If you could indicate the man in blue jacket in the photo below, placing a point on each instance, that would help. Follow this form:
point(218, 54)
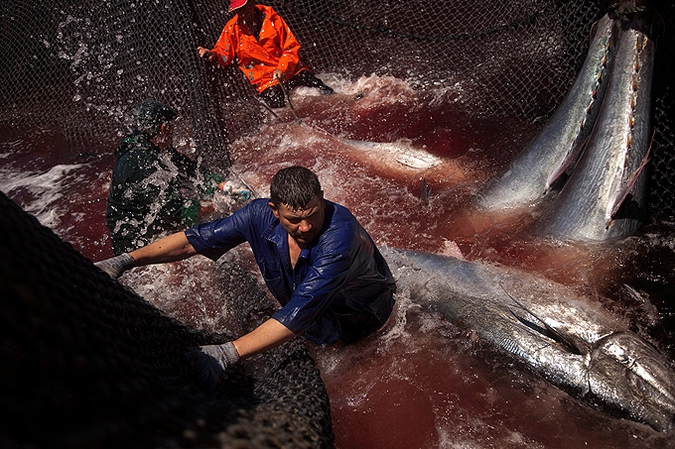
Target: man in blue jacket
point(315, 257)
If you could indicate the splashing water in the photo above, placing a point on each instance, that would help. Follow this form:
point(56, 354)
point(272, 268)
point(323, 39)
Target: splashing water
point(421, 382)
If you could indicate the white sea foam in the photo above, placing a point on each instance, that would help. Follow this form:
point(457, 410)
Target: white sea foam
point(45, 189)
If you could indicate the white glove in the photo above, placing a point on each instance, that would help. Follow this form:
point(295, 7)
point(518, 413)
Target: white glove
point(117, 265)
point(211, 361)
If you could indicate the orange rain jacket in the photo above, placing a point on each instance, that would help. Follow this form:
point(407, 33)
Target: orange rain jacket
point(258, 59)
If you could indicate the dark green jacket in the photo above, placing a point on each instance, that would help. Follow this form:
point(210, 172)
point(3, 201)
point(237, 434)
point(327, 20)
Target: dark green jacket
point(152, 192)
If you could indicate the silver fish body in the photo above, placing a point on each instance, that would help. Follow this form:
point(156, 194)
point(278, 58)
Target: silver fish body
point(531, 174)
point(569, 340)
point(605, 196)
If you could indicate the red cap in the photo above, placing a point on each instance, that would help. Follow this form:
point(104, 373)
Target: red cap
point(236, 4)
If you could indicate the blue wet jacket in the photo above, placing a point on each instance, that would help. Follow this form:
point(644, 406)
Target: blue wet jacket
point(341, 286)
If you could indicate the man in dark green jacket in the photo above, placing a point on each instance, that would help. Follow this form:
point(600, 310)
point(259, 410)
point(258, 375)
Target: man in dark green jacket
point(154, 189)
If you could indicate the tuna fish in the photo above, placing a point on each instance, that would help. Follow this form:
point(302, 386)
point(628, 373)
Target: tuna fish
point(605, 197)
point(571, 341)
point(534, 171)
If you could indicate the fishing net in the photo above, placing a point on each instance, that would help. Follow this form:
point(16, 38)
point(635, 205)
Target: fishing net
point(81, 66)
point(87, 363)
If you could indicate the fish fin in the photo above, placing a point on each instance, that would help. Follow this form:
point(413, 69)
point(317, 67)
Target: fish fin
point(626, 186)
point(593, 30)
point(543, 328)
point(425, 192)
point(557, 173)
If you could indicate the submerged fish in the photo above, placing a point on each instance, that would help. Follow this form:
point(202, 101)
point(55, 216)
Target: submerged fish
point(573, 342)
point(605, 197)
point(532, 173)
point(403, 152)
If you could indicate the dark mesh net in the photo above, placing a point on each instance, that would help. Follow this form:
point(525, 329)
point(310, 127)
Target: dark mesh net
point(87, 363)
point(81, 66)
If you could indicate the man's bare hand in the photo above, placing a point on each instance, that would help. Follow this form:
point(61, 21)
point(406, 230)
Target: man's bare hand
point(209, 55)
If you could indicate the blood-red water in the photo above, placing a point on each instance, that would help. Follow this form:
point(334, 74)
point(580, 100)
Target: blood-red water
point(422, 382)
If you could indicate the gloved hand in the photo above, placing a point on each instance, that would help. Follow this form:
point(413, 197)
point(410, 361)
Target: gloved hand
point(211, 361)
point(117, 265)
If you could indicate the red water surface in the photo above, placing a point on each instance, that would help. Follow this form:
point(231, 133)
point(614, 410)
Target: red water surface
point(65, 188)
point(422, 382)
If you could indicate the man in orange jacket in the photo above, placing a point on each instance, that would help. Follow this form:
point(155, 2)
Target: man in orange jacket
point(265, 49)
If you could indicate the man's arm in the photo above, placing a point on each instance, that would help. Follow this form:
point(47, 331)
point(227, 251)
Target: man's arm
point(268, 335)
point(168, 249)
point(211, 361)
point(224, 51)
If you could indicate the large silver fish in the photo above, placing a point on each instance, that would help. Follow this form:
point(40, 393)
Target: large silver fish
point(605, 196)
point(532, 173)
point(571, 341)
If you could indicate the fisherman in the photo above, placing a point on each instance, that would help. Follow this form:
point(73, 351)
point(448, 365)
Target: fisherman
point(152, 183)
point(265, 50)
point(315, 257)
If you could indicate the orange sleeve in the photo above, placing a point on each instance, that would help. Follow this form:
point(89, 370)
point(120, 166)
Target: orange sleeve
point(227, 43)
point(290, 56)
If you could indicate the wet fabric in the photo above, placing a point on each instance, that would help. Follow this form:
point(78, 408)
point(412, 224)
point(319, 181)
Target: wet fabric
point(258, 58)
point(341, 287)
point(152, 192)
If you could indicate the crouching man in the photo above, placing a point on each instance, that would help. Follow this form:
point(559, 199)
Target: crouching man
point(316, 259)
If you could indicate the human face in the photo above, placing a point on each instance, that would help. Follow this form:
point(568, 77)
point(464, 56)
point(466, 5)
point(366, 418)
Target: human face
point(303, 225)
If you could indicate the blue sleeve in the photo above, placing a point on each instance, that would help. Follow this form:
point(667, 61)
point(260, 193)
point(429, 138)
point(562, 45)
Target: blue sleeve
point(217, 237)
point(325, 278)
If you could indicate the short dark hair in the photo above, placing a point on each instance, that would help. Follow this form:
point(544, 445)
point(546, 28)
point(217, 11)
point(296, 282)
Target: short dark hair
point(294, 187)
